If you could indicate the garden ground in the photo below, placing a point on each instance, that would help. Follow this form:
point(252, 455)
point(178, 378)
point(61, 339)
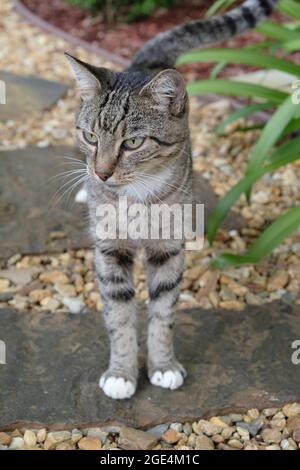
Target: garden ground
point(41, 283)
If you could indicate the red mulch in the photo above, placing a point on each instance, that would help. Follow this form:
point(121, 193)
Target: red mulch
point(125, 39)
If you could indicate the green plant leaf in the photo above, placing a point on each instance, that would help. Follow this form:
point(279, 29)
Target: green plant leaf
point(277, 31)
point(290, 8)
point(275, 234)
point(272, 132)
point(219, 5)
point(236, 88)
point(293, 45)
point(245, 56)
point(242, 113)
point(285, 154)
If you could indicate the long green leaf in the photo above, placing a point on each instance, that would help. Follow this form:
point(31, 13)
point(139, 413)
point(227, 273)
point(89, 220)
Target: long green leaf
point(290, 8)
point(236, 88)
point(242, 113)
point(272, 132)
point(277, 31)
point(275, 234)
point(285, 154)
point(236, 56)
point(293, 45)
point(219, 5)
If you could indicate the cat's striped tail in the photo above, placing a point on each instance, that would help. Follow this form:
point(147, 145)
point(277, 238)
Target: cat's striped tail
point(163, 50)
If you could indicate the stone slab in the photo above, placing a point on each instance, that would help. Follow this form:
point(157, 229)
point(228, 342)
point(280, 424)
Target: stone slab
point(31, 221)
point(234, 360)
point(26, 95)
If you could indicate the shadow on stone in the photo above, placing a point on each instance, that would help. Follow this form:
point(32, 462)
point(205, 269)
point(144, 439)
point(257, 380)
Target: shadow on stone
point(234, 361)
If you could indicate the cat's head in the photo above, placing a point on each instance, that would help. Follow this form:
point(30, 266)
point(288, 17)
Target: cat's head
point(128, 123)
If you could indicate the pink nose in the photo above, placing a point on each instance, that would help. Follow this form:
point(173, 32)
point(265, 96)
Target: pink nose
point(103, 175)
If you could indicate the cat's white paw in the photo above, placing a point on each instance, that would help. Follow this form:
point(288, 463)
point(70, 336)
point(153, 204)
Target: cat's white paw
point(117, 387)
point(169, 379)
point(81, 196)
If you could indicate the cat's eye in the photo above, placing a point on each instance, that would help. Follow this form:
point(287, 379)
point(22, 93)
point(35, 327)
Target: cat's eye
point(133, 144)
point(90, 138)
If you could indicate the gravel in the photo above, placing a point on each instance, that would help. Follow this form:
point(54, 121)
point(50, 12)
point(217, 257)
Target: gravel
point(254, 430)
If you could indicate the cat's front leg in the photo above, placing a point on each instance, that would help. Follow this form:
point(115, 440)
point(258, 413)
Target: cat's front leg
point(165, 267)
point(114, 272)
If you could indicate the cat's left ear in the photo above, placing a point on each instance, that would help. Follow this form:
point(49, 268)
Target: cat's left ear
point(168, 90)
point(91, 80)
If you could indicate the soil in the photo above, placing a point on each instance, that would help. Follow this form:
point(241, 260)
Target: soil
point(125, 39)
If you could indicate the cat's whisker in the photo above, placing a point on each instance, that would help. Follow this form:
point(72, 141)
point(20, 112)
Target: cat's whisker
point(57, 196)
point(64, 174)
point(160, 180)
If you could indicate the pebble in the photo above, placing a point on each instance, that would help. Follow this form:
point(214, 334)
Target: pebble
point(271, 436)
point(89, 443)
point(5, 439)
point(37, 295)
point(75, 305)
point(245, 435)
point(66, 290)
point(296, 435)
point(171, 436)
point(76, 436)
point(4, 285)
point(30, 438)
point(278, 424)
point(217, 421)
point(293, 423)
point(99, 433)
point(235, 443)
point(55, 438)
point(41, 435)
point(19, 276)
point(187, 429)
point(6, 296)
point(253, 427)
point(66, 446)
point(158, 430)
point(204, 443)
point(278, 280)
point(253, 413)
point(227, 432)
point(177, 427)
point(206, 427)
point(291, 410)
point(134, 439)
point(50, 304)
point(54, 277)
point(16, 443)
point(284, 444)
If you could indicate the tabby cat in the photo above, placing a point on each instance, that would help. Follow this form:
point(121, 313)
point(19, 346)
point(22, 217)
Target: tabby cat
point(133, 129)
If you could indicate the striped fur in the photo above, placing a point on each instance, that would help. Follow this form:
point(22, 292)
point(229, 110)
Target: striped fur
point(139, 103)
point(162, 51)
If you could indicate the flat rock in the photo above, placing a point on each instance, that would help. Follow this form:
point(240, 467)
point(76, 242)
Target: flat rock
point(26, 95)
point(31, 221)
point(235, 361)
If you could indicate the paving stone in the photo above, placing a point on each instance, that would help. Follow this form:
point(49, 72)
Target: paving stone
point(26, 95)
point(28, 215)
point(233, 364)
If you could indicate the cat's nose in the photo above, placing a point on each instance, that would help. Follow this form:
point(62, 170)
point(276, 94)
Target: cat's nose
point(103, 175)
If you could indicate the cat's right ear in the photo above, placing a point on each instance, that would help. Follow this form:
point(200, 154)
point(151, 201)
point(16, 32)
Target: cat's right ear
point(87, 81)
